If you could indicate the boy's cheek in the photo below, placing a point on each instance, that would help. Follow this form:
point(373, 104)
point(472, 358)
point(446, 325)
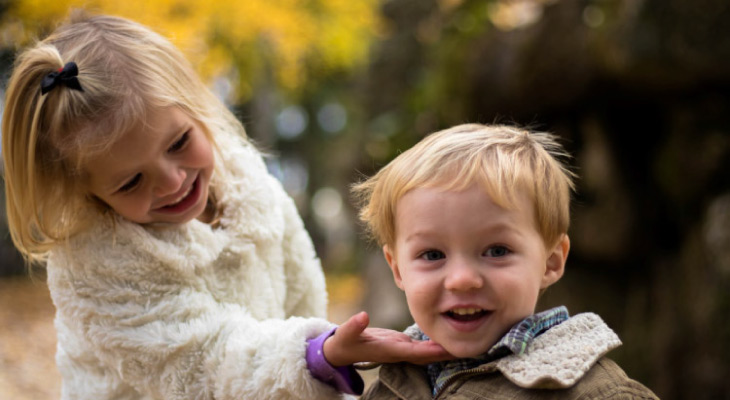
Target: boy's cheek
point(422, 305)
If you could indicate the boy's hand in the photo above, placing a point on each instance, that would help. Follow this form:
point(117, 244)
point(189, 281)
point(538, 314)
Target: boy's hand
point(355, 342)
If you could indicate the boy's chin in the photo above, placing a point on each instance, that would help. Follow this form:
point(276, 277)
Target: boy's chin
point(465, 350)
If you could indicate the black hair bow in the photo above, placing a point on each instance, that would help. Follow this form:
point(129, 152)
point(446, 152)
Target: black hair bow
point(65, 76)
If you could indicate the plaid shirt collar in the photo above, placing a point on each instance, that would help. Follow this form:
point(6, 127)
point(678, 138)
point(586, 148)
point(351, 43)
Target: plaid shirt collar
point(514, 342)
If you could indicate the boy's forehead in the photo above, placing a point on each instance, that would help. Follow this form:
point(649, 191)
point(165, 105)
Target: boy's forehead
point(511, 198)
point(503, 195)
point(434, 212)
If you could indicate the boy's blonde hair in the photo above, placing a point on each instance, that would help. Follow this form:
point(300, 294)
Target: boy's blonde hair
point(504, 160)
point(126, 70)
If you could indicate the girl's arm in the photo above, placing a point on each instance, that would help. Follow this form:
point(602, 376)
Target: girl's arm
point(166, 332)
point(186, 345)
point(306, 290)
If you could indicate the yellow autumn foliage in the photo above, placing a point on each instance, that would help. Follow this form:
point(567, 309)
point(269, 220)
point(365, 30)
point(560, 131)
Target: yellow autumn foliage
point(287, 42)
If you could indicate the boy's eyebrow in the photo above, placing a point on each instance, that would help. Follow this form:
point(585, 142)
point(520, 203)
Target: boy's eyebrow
point(496, 228)
point(414, 235)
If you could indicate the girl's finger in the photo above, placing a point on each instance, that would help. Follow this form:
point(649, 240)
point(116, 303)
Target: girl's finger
point(353, 327)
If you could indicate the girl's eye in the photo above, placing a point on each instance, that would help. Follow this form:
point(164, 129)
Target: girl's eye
point(497, 251)
point(131, 184)
point(179, 143)
point(432, 255)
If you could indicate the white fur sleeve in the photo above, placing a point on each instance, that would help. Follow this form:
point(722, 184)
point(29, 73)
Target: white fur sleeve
point(304, 276)
point(167, 337)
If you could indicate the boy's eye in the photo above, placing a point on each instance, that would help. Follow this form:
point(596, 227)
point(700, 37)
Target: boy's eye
point(179, 143)
point(131, 184)
point(497, 251)
point(432, 255)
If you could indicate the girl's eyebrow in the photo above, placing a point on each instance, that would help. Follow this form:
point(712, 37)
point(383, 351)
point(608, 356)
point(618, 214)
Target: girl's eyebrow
point(176, 129)
point(117, 181)
point(114, 180)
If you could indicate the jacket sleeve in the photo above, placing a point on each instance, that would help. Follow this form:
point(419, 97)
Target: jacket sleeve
point(166, 335)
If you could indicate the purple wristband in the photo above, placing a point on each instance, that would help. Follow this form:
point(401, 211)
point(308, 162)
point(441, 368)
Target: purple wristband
point(345, 379)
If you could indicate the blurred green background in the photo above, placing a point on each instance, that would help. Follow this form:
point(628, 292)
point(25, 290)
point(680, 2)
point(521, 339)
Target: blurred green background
point(333, 89)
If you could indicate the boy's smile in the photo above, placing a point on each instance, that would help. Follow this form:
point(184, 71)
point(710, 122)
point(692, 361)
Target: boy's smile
point(469, 268)
point(157, 172)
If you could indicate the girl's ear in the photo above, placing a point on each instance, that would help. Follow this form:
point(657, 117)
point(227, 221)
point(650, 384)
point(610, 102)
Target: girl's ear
point(555, 264)
point(391, 259)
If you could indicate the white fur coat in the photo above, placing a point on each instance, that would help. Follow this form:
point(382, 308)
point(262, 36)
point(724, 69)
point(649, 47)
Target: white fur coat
point(190, 311)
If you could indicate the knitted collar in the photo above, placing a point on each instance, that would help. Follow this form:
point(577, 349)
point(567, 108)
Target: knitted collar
point(558, 358)
point(514, 342)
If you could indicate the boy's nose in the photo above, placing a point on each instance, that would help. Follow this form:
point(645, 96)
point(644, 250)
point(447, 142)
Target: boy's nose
point(169, 180)
point(463, 277)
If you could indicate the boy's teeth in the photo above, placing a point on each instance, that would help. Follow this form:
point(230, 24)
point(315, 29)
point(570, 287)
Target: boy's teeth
point(466, 311)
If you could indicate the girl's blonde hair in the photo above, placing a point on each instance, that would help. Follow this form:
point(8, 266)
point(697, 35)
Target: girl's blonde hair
point(505, 161)
point(126, 70)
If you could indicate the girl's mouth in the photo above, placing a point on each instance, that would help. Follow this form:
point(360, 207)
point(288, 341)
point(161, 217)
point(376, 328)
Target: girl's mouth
point(181, 198)
point(187, 200)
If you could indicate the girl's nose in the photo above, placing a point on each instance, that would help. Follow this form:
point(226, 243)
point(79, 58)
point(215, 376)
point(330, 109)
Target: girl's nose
point(169, 180)
point(463, 276)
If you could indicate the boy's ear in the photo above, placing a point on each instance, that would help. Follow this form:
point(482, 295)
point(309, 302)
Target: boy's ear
point(393, 264)
point(555, 264)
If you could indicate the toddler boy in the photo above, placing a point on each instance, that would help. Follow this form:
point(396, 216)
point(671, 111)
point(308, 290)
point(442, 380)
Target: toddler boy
point(473, 222)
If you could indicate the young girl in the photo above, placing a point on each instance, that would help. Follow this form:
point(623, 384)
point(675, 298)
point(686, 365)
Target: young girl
point(178, 266)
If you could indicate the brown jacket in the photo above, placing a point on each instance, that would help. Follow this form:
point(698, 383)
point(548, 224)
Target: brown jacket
point(566, 362)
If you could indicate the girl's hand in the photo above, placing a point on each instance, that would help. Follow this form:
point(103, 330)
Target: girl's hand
point(354, 342)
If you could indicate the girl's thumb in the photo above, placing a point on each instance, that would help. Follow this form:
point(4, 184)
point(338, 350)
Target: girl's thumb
point(354, 326)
